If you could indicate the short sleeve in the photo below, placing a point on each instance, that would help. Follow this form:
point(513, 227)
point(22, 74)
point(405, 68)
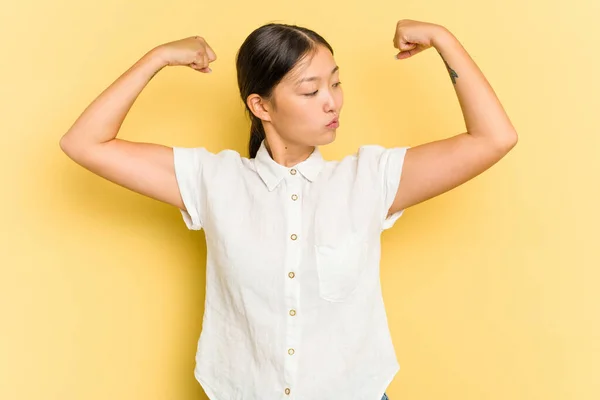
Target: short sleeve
point(189, 163)
point(385, 166)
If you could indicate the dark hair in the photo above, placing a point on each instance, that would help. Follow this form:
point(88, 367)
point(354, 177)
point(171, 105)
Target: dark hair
point(262, 61)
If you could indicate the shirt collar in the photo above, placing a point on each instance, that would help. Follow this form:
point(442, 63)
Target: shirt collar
point(272, 172)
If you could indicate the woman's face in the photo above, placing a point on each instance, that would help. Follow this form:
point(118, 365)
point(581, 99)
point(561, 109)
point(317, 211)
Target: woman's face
point(307, 99)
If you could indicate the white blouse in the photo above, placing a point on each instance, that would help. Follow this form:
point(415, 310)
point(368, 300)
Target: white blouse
point(293, 305)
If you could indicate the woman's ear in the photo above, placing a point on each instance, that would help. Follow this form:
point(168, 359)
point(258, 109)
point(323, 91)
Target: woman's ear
point(259, 107)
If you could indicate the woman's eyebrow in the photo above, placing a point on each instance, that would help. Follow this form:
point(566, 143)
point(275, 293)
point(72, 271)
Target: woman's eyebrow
point(315, 78)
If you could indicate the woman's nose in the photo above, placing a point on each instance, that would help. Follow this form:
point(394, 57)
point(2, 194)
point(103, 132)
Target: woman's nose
point(330, 102)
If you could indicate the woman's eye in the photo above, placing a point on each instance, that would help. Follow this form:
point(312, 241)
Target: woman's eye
point(315, 92)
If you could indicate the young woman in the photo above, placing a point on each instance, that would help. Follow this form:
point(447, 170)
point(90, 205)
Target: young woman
point(293, 298)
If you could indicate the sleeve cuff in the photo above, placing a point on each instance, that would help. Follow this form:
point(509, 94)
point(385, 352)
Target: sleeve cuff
point(187, 175)
point(392, 176)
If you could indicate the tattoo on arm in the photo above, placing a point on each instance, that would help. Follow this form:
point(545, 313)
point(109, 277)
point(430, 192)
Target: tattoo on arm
point(452, 73)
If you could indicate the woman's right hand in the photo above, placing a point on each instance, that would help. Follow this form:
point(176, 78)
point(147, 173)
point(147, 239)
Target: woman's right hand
point(193, 52)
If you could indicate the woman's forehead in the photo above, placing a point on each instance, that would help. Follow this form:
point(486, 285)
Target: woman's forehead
point(314, 67)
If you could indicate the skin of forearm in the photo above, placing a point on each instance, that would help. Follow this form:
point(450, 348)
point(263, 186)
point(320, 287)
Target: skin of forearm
point(482, 111)
point(101, 120)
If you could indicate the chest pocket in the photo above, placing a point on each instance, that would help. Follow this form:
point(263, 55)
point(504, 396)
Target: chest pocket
point(340, 266)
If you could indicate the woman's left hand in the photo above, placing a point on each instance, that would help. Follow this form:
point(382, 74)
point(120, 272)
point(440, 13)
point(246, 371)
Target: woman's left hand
point(412, 37)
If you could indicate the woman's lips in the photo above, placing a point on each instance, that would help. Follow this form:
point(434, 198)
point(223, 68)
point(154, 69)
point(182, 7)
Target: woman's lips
point(333, 124)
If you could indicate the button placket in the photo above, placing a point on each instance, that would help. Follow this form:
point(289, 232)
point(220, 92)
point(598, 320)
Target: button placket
point(292, 290)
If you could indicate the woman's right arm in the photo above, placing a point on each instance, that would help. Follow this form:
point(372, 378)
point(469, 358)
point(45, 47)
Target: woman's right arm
point(145, 168)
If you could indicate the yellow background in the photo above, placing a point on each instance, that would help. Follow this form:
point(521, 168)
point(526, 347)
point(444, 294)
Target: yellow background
point(491, 289)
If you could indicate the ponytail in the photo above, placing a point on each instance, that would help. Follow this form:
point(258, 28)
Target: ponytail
point(257, 134)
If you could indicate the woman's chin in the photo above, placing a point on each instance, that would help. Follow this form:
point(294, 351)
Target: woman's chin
point(328, 137)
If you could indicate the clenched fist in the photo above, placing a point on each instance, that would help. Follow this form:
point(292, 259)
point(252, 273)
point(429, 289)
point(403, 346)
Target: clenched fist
point(193, 52)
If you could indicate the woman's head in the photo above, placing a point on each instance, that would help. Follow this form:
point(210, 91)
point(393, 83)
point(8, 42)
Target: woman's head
point(289, 83)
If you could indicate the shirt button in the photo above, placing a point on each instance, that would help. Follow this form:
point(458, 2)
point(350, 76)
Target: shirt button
point(292, 312)
point(291, 275)
point(294, 237)
point(291, 352)
point(293, 171)
point(294, 197)
point(287, 390)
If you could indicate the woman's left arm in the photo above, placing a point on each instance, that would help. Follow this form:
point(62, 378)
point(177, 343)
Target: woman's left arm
point(433, 168)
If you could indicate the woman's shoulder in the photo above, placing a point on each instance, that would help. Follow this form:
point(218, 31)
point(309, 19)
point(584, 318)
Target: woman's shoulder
point(226, 159)
point(369, 154)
